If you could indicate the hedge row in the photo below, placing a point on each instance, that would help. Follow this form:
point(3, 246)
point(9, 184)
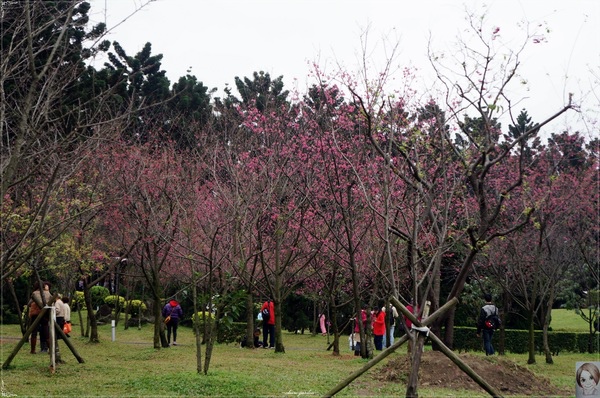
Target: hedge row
point(465, 339)
point(516, 341)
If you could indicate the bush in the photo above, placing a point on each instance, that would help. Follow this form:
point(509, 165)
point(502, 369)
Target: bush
point(78, 301)
point(7, 316)
point(112, 300)
point(135, 307)
point(98, 294)
point(200, 318)
point(233, 334)
point(516, 341)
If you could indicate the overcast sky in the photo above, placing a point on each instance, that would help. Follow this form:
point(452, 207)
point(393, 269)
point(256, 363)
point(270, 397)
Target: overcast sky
point(221, 39)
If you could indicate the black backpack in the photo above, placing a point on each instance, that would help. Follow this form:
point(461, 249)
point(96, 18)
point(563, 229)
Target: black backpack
point(266, 314)
point(493, 321)
point(392, 319)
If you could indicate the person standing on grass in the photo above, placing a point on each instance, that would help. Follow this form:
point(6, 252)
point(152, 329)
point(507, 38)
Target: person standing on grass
point(36, 303)
point(33, 311)
point(486, 312)
point(393, 314)
point(268, 324)
point(322, 324)
point(67, 309)
point(379, 325)
point(173, 312)
point(59, 305)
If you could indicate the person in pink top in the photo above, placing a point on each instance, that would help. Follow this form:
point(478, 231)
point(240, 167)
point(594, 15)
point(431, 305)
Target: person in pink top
point(322, 324)
point(268, 323)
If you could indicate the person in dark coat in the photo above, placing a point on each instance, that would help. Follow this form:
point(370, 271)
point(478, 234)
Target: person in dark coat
point(487, 310)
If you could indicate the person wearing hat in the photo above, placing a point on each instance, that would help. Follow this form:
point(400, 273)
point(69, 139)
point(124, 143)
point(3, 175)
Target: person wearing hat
point(172, 312)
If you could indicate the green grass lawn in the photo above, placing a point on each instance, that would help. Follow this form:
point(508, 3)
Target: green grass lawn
point(568, 321)
point(131, 367)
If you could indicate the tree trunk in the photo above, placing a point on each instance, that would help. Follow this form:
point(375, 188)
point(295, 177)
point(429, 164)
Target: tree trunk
point(196, 324)
point(592, 319)
point(279, 347)
point(22, 319)
point(128, 307)
point(415, 361)
point(160, 340)
point(449, 332)
point(82, 324)
point(212, 336)
point(531, 359)
point(334, 328)
point(547, 319)
point(93, 323)
point(249, 320)
point(457, 289)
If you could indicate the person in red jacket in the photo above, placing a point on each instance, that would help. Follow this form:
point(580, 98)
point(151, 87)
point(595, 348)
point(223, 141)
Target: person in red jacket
point(268, 324)
point(379, 326)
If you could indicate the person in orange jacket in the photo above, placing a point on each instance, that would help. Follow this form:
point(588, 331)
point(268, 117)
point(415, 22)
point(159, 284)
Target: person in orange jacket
point(268, 323)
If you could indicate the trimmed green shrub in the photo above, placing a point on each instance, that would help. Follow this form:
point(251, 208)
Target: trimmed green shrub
point(112, 301)
point(231, 333)
point(516, 341)
point(78, 301)
point(135, 307)
point(200, 318)
point(98, 294)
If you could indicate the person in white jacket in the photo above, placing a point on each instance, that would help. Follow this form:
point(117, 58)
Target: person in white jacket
point(67, 312)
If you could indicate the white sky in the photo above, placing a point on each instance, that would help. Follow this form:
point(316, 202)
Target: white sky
point(221, 39)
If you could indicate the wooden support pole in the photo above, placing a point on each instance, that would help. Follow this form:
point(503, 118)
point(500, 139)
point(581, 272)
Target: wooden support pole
point(28, 332)
point(68, 343)
point(464, 367)
point(25, 337)
point(344, 383)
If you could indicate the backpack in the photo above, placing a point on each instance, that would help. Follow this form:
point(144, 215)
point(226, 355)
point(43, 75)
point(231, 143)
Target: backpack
point(392, 318)
point(492, 321)
point(34, 309)
point(265, 314)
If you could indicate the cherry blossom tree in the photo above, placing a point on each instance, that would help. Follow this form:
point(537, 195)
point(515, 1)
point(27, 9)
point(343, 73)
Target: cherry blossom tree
point(335, 147)
point(149, 178)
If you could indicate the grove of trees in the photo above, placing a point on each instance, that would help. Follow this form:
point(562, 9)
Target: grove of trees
point(351, 192)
